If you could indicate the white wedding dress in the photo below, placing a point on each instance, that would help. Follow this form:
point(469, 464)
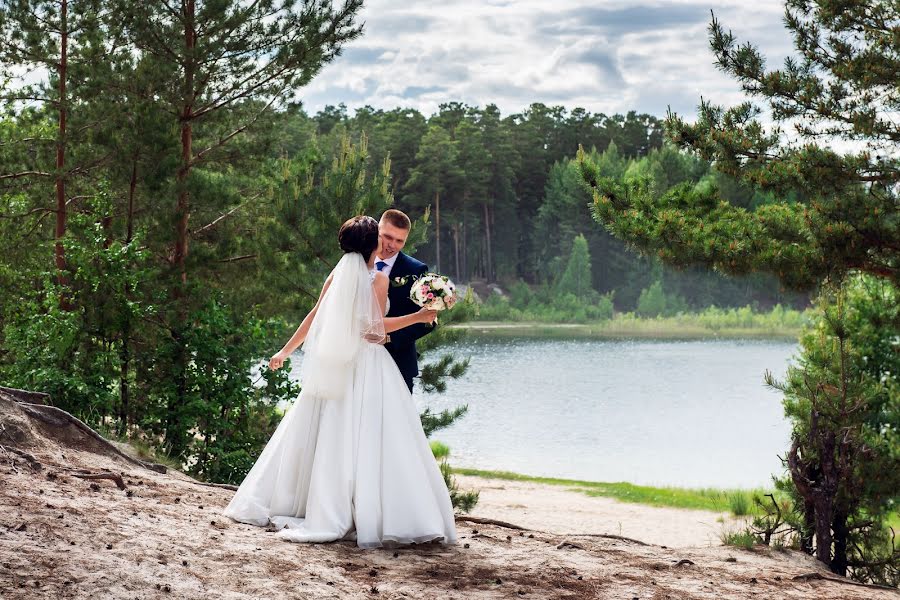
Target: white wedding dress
point(349, 460)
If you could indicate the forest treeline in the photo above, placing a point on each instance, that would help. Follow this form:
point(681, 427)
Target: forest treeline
point(506, 203)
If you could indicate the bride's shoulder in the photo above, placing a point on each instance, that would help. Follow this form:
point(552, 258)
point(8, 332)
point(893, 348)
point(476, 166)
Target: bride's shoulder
point(380, 279)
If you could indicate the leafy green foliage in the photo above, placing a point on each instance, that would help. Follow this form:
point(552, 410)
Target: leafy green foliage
point(73, 354)
point(464, 501)
point(576, 279)
point(739, 539)
point(836, 212)
point(843, 398)
point(655, 302)
point(544, 305)
point(817, 215)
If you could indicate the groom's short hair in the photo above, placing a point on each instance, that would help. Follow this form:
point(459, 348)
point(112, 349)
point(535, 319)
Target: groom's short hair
point(397, 218)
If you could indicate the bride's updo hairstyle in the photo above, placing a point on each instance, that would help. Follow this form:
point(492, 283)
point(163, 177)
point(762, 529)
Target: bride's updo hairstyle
point(359, 234)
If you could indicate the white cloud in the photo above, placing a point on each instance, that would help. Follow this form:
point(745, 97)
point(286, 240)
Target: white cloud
point(608, 56)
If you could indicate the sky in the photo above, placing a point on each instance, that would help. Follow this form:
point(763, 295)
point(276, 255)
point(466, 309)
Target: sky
point(607, 56)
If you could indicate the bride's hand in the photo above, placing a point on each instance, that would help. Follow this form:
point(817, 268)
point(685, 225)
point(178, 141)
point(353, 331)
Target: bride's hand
point(277, 361)
point(426, 315)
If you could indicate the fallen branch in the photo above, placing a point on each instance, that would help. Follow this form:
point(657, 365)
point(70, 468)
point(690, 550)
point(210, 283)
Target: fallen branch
point(112, 476)
point(568, 544)
point(819, 576)
point(610, 536)
point(483, 521)
point(224, 486)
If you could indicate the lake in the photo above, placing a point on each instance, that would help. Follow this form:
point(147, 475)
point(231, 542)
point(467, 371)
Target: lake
point(667, 413)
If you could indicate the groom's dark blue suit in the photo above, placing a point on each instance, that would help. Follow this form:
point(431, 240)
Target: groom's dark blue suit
point(402, 346)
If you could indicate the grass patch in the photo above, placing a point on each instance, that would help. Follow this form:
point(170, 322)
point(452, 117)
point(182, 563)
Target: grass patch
point(140, 449)
point(440, 449)
point(740, 539)
point(740, 503)
point(533, 319)
point(711, 499)
point(147, 453)
point(655, 329)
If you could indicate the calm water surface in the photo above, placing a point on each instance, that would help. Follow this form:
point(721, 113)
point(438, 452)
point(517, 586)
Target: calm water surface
point(649, 412)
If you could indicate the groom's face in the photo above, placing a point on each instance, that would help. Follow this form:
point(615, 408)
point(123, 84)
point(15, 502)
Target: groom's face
point(392, 239)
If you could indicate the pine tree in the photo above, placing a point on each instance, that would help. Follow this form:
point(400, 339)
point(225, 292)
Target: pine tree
point(214, 56)
point(843, 396)
point(501, 198)
point(831, 215)
point(474, 160)
point(63, 41)
point(436, 172)
point(576, 279)
point(217, 69)
point(843, 85)
point(312, 194)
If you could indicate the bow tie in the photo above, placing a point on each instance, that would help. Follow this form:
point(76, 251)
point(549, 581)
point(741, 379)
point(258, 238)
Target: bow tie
point(380, 265)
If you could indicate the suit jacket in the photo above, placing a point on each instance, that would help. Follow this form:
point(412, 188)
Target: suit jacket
point(402, 346)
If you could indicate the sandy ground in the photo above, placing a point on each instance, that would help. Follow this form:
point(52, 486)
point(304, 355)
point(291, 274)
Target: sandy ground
point(163, 536)
point(561, 510)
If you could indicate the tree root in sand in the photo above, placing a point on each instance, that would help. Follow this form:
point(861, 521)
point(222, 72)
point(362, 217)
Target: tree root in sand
point(224, 486)
point(504, 524)
point(32, 461)
point(93, 476)
point(611, 536)
point(57, 417)
point(818, 576)
point(568, 544)
point(484, 521)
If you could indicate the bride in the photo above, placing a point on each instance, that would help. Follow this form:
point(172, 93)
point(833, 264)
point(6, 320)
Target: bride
point(349, 460)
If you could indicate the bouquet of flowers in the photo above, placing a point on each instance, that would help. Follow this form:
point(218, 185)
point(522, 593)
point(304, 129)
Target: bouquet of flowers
point(433, 291)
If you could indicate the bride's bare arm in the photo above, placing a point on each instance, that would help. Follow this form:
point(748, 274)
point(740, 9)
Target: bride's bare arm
point(380, 285)
point(292, 344)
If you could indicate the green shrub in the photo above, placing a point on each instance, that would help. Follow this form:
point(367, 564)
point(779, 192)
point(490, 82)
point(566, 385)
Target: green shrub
point(439, 449)
point(740, 539)
point(739, 504)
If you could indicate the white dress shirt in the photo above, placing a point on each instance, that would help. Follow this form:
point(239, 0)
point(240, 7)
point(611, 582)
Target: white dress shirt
point(390, 264)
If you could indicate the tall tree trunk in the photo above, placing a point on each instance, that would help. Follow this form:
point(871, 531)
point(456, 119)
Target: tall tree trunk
point(60, 257)
point(488, 250)
point(840, 533)
point(437, 229)
point(106, 223)
point(124, 368)
point(125, 352)
point(456, 249)
point(182, 209)
point(465, 248)
point(809, 522)
point(132, 186)
point(823, 529)
point(175, 437)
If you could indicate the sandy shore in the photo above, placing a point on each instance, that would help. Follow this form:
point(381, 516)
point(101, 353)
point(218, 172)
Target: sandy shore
point(162, 535)
point(562, 510)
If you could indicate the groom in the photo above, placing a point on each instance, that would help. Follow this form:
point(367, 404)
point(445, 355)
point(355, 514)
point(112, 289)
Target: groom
point(402, 270)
